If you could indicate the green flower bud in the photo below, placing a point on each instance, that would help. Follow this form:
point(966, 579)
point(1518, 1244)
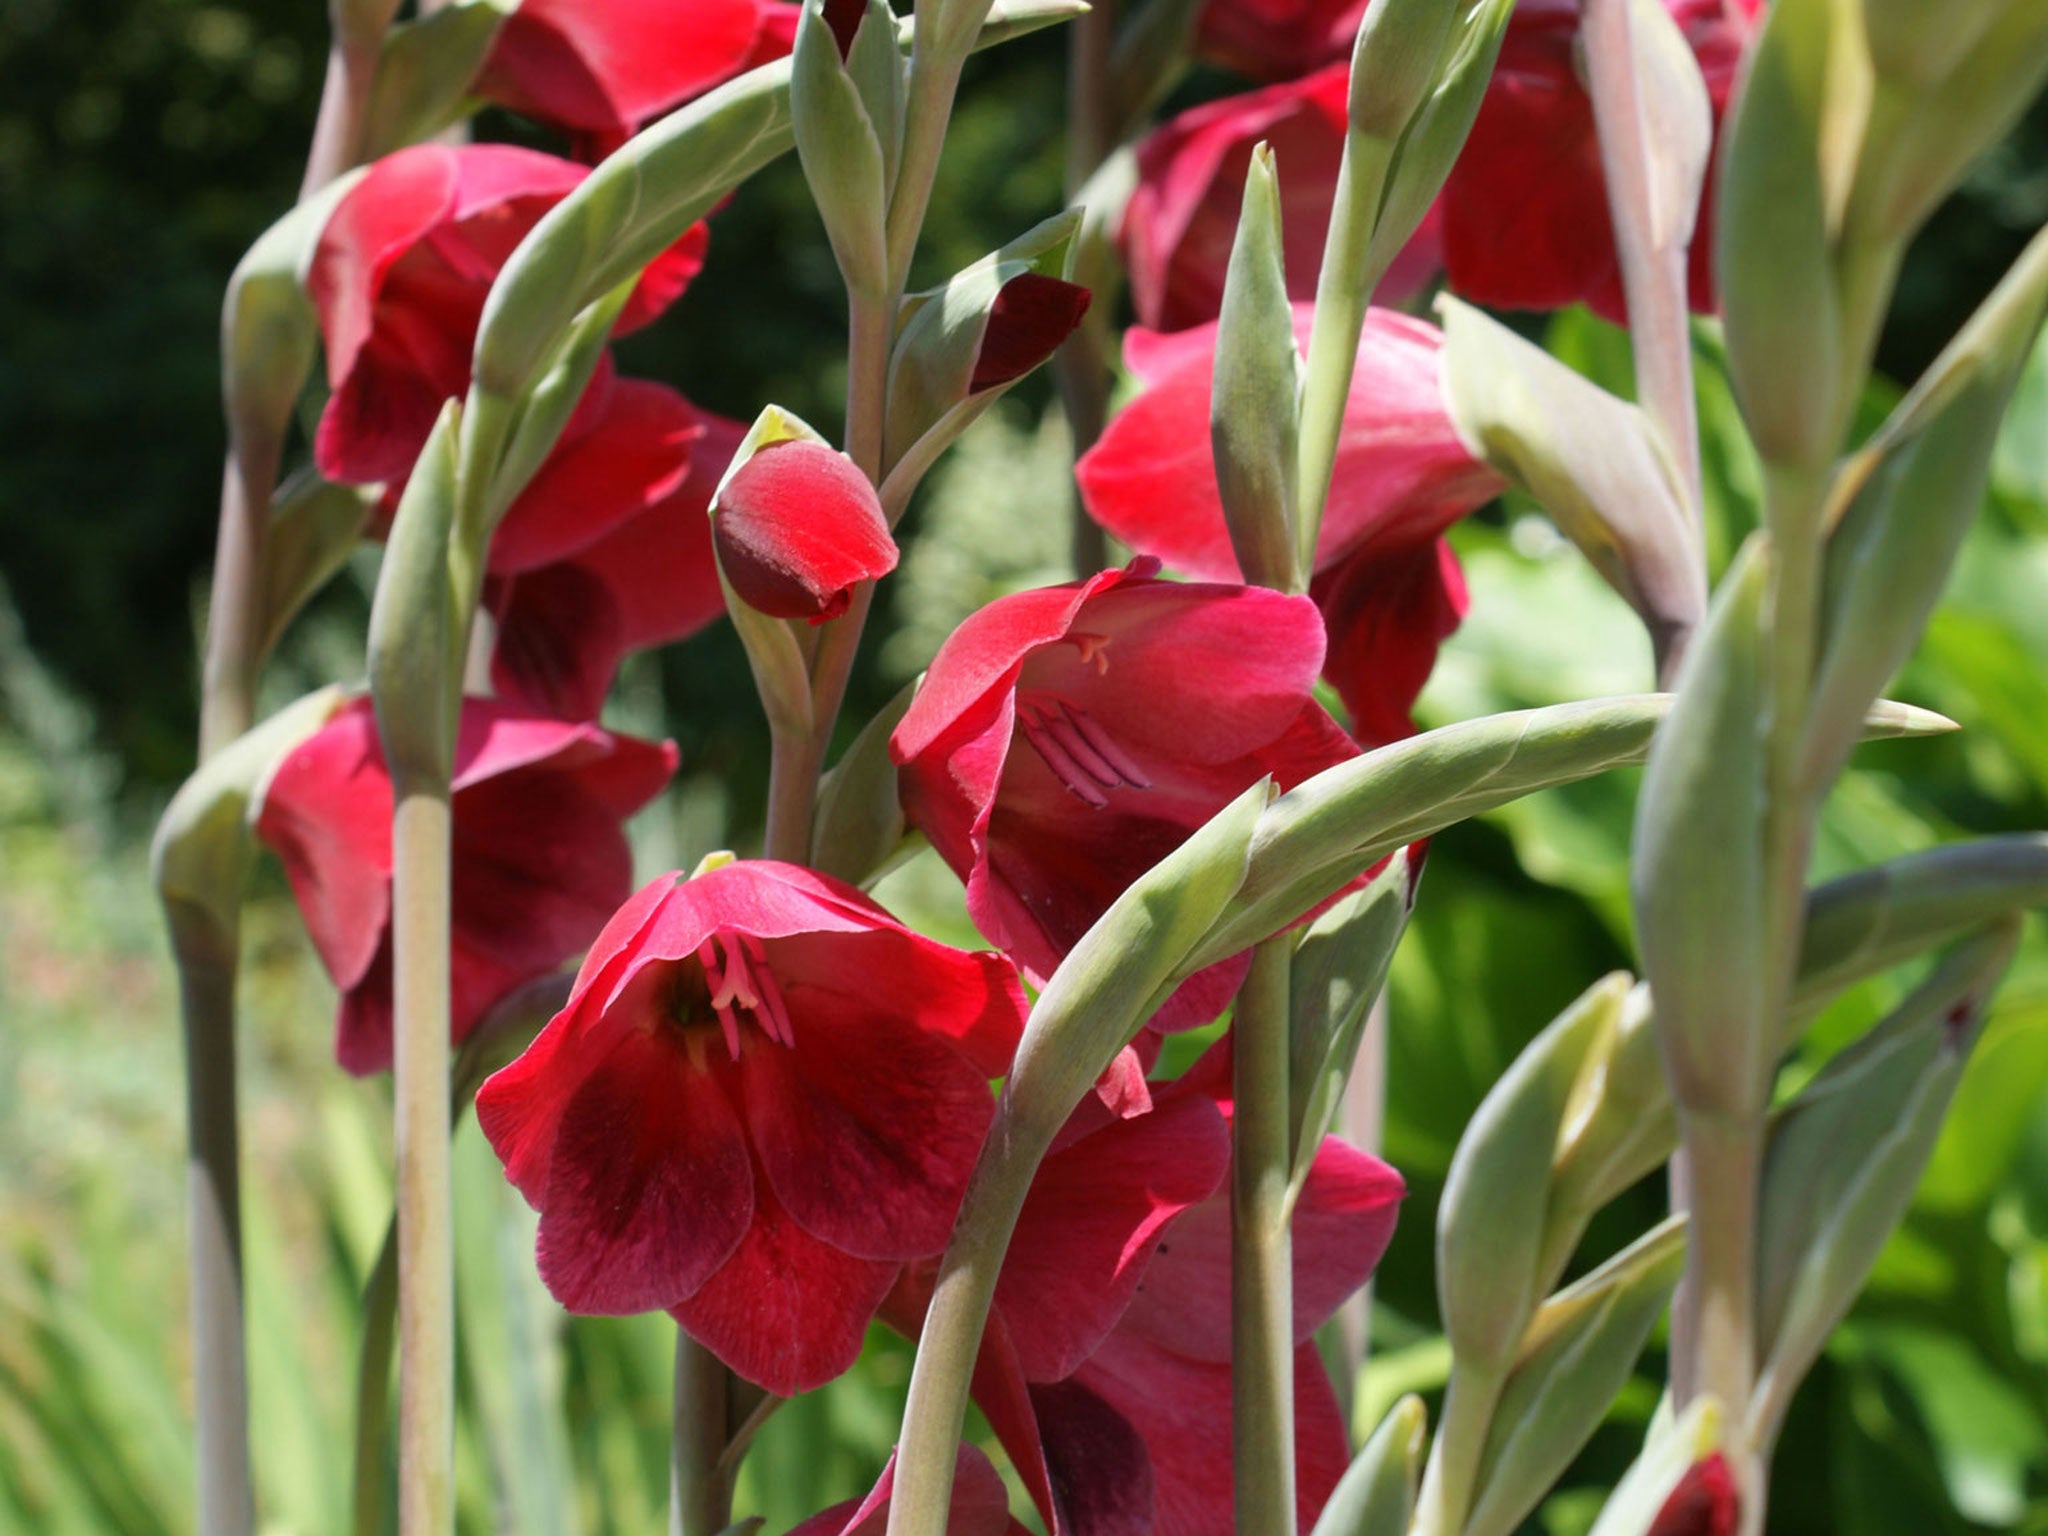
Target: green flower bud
point(417, 636)
point(1396, 61)
point(1254, 404)
point(424, 71)
point(1698, 880)
point(314, 527)
point(1581, 1348)
point(838, 142)
point(1593, 462)
point(1376, 1496)
point(1671, 1450)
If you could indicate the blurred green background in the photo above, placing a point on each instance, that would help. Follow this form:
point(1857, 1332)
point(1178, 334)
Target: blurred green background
point(142, 145)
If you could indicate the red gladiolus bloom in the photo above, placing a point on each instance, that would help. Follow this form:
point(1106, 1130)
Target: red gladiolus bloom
point(1105, 1369)
point(980, 1504)
point(563, 628)
point(399, 278)
point(604, 69)
point(764, 1096)
point(540, 858)
point(1526, 224)
point(797, 529)
point(1067, 739)
point(1277, 39)
point(1182, 218)
point(1388, 591)
point(1705, 1502)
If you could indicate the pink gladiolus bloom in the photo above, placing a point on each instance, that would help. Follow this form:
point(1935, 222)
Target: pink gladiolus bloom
point(1182, 218)
point(1105, 1369)
point(603, 69)
point(1388, 592)
point(563, 628)
point(399, 278)
point(1526, 224)
point(540, 856)
point(1067, 739)
point(1277, 39)
point(980, 1505)
point(1705, 1502)
point(764, 1096)
point(797, 529)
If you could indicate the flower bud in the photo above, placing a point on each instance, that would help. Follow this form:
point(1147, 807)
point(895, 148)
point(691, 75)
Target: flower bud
point(1254, 402)
point(1581, 1347)
point(1706, 1502)
point(797, 527)
point(1665, 1485)
point(837, 137)
point(1376, 1496)
point(416, 634)
point(1396, 61)
point(425, 74)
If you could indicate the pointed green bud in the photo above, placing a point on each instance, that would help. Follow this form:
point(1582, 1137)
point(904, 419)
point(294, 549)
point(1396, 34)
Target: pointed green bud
point(1151, 55)
point(1582, 1346)
point(417, 638)
point(1915, 46)
point(1921, 485)
point(1775, 255)
point(1125, 966)
point(315, 526)
point(1671, 1450)
point(200, 857)
point(1847, 1153)
point(838, 142)
point(860, 826)
point(1879, 917)
point(1697, 876)
point(1340, 965)
point(424, 73)
point(1396, 61)
point(877, 67)
point(269, 333)
point(1591, 461)
point(959, 347)
point(1254, 403)
point(1331, 828)
point(1491, 1224)
point(1376, 1496)
point(1437, 128)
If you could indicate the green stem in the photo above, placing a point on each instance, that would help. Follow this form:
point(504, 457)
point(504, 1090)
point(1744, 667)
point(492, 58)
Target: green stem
point(700, 1483)
point(1716, 1337)
point(1261, 1251)
point(1081, 367)
point(1448, 1483)
point(928, 107)
point(207, 956)
point(344, 103)
point(421, 849)
point(1343, 294)
point(867, 380)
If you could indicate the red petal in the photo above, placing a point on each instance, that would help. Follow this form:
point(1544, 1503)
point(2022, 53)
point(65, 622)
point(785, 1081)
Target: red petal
point(1032, 314)
point(1089, 1226)
point(1276, 39)
point(868, 1127)
point(980, 1505)
point(1387, 614)
point(614, 66)
point(786, 1311)
point(1705, 1502)
point(649, 1187)
point(797, 528)
point(1101, 1471)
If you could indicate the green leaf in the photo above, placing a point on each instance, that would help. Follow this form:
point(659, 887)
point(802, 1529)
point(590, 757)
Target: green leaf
point(1254, 400)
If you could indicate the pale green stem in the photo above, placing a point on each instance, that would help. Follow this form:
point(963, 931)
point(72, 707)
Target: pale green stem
point(1343, 294)
point(867, 380)
point(1261, 1251)
point(700, 1483)
point(1081, 369)
point(421, 849)
point(1718, 1341)
point(344, 100)
point(1453, 1470)
point(207, 956)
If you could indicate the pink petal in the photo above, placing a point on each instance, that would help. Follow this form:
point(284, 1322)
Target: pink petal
point(980, 1505)
point(867, 1128)
point(1387, 613)
point(649, 1186)
point(786, 1311)
point(1032, 314)
point(797, 528)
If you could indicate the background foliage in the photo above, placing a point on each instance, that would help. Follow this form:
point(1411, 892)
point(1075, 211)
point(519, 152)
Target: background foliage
point(143, 143)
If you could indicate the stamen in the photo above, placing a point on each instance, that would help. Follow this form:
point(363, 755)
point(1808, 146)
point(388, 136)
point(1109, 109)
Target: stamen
point(774, 1012)
point(1061, 727)
point(1094, 648)
point(1106, 747)
point(1058, 759)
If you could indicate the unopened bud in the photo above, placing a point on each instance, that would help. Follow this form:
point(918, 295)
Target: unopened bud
point(837, 138)
point(797, 527)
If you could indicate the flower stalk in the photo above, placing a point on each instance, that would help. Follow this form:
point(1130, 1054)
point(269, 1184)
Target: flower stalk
point(700, 1482)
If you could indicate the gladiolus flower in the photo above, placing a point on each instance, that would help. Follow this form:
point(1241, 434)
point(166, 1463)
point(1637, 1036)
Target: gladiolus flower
point(400, 275)
point(1067, 739)
point(980, 1504)
point(1105, 1368)
point(1277, 39)
point(764, 1096)
point(540, 856)
point(563, 628)
point(1705, 1502)
point(1526, 224)
point(1032, 314)
point(1388, 593)
point(604, 69)
point(1182, 218)
point(797, 528)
